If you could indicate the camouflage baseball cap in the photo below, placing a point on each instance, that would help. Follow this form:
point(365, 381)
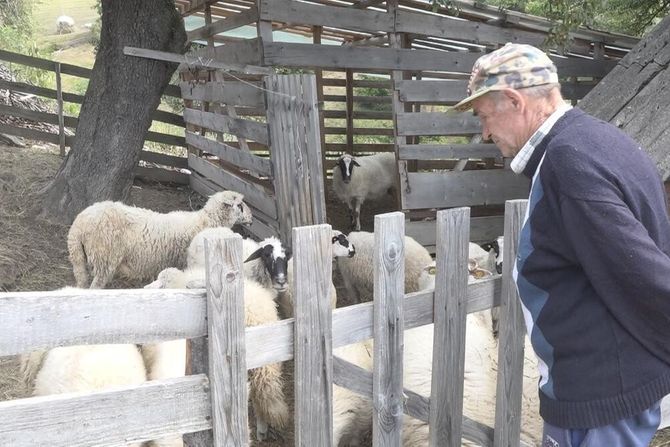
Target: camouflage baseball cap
point(512, 66)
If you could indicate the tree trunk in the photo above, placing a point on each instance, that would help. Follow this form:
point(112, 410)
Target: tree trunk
point(634, 96)
point(122, 94)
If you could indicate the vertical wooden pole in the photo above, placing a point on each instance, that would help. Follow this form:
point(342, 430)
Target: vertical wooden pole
point(316, 34)
point(61, 118)
point(512, 332)
point(227, 353)
point(313, 336)
point(350, 109)
point(451, 285)
point(389, 294)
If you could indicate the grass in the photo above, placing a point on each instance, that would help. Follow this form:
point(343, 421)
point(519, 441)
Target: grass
point(46, 12)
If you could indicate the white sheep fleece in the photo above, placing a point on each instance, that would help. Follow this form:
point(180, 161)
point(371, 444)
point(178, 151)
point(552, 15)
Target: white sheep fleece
point(358, 272)
point(112, 238)
point(375, 176)
point(89, 368)
point(165, 360)
point(287, 300)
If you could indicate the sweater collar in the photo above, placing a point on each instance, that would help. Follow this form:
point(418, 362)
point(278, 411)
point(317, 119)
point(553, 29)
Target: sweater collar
point(521, 159)
point(541, 144)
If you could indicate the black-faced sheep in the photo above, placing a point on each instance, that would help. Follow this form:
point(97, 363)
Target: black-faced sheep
point(358, 272)
point(113, 238)
point(373, 177)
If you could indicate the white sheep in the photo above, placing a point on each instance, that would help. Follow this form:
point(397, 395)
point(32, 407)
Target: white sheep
point(374, 177)
point(358, 272)
point(265, 262)
point(84, 369)
point(265, 383)
point(113, 238)
point(341, 248)
point(64, 25)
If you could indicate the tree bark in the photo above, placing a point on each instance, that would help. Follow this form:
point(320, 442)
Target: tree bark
point(634, 96)
point(122, 94)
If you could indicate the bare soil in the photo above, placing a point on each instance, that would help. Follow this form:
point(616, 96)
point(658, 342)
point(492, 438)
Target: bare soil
point(33, 254)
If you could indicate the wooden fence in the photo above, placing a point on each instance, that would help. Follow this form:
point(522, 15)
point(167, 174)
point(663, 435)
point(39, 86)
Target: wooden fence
point(218, 399)
point(64, 121)
point(273, 158)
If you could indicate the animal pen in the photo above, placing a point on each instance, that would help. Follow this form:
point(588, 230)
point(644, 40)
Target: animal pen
point(211, 403)
point(415, 60)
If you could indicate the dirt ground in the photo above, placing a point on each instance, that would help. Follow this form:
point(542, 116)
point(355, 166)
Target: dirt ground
point(33, 254)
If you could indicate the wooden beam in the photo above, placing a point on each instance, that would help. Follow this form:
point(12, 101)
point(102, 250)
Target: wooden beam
point(244, 18)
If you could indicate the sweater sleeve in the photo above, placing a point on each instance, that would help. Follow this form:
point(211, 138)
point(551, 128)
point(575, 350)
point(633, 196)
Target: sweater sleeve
point(624, 265)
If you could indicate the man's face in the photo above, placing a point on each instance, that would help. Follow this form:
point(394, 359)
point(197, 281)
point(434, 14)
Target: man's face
point(502, 122)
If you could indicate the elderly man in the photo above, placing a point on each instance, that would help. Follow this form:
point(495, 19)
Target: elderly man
point(593, 265)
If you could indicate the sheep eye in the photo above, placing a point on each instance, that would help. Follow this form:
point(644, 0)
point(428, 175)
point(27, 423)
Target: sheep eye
point(431, 270)
point(239, 205)
point(335, 239)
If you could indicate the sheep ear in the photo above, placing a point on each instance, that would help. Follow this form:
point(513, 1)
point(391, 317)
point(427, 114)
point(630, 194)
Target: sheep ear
point(288, 254)
point(255, 255)
point(355, 163)
point(196, 284)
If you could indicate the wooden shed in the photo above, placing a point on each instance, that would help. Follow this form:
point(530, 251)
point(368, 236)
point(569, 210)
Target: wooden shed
point(385, 73)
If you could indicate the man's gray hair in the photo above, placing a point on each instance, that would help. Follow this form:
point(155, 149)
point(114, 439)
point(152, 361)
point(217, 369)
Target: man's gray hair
point(537, 91)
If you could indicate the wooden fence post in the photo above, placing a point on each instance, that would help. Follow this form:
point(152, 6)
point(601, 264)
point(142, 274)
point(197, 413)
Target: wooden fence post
point(512, 331)
point(313, 336)
point(295, 150)
point(227, 356)
point(389, 294)
point(450, 307)
point(61, 118)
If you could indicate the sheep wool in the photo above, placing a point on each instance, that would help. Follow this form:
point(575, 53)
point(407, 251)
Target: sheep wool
point(358, 272)
point(112, 238)
point(357, 179)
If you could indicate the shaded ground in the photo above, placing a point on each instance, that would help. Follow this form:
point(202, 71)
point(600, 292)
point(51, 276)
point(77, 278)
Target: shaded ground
point(33, 254)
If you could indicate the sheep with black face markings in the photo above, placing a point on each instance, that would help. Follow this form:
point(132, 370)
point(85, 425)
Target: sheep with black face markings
point(357, 179)
point(112, 238)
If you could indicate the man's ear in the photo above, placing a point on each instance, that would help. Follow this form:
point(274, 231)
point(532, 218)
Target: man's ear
point(516, 99)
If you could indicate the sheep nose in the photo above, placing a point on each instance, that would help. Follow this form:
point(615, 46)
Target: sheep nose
point(347, 180)
point(281, 280)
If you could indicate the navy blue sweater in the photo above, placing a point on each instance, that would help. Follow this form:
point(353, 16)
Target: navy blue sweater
point(594, 274)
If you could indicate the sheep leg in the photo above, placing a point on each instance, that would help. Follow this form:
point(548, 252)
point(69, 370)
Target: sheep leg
point(357, 214)
point(267, 397)
point(103, 274)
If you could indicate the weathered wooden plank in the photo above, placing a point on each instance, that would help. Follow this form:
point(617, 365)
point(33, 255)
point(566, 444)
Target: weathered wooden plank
point(354, 323)
point(336, 82)
point(237, 93)
point(359, 380)
point(329, 56)
point(188, 61)
point(482, 229)
point(34, 115)
point(358, 115)
point(512, 331)
point(173, 140)
point(447, 91)
point(245, 160)
point(40, 320)
point(313, 149)
point(107, 418)
point(61, 118)
point(464, 188)
point(332, 16)
point(451, 280)
point(246, 52)
point(164, 159)
point(447, 151)
point(235, 21)
point(221, 123)
point(227, 355)
point(389, 284)
point(358, 131)
point(437, 123)
point(313, 334)
point(256, 195)
point(161, 175)
point(44, 64)
point(40, 91)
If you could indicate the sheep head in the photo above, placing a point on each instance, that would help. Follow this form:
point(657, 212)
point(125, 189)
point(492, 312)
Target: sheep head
point(342, 246)
point(346, 164)
point(275, 259)
point(226, 208)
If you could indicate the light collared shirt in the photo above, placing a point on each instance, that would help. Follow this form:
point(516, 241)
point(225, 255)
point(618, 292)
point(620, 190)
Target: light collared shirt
point(521, 159)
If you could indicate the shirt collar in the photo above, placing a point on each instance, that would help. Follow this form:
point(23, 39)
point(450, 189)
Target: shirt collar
point(521, 159)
